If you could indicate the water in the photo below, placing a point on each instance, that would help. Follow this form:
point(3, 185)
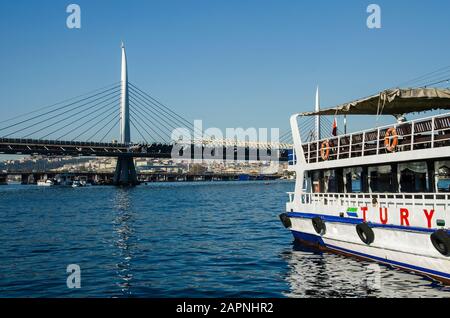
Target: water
point(173, 240)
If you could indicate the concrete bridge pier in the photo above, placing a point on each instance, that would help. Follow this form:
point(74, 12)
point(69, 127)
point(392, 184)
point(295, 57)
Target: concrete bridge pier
point(125, 174)
point(28, 178)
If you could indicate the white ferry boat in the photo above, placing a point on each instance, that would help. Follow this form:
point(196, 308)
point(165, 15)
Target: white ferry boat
point(381, 194)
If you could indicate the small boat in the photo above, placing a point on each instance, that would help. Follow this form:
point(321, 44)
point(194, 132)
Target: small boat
point(76, 184)
point(81, 184)
point(45, 183)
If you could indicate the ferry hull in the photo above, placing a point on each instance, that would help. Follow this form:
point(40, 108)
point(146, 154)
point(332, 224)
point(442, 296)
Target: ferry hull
point(427, 265)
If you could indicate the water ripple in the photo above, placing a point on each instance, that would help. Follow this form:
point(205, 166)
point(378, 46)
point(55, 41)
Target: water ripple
point(173, 240)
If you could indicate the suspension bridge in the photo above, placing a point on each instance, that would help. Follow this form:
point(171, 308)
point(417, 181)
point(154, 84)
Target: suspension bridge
point(86, 125)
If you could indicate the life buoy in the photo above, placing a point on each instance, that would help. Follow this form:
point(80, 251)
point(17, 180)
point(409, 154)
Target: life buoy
point(441, 242)
point(391, 146)
point(325, 150)
point(286, 220)
point(365, 233)
point(319, 226)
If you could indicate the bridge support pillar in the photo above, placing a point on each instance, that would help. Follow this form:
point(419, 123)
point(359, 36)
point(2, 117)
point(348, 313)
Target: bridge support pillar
point(125, 174)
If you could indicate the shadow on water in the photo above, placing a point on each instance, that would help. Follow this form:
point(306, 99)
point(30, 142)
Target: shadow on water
point(124, 231)
point(320, 274)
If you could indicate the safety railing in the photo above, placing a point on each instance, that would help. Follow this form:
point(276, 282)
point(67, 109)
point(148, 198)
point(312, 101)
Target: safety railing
point(59, 143)
point(388, 200)
point(427, 133)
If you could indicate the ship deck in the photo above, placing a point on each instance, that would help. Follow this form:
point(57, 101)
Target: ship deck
point(427, 133)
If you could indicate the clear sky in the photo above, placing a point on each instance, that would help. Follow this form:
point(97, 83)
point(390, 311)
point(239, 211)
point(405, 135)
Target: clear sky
point(232, 63)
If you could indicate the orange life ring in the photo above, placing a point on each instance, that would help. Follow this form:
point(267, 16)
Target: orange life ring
point(391, 145)
point(325, 150)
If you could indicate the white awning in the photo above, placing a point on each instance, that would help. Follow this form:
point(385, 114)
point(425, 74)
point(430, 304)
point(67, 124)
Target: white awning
point(393, 102)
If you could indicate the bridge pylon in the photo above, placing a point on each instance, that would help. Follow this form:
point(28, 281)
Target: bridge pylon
point(125, 174)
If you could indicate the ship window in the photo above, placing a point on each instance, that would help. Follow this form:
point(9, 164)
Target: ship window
point(330, 181)
point(413, 177)
point(442, 174)
point(316, 184)
point(353, 180)
point(326, 181)
point(380, 179)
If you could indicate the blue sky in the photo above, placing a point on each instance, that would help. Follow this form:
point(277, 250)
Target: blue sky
point(233, 63)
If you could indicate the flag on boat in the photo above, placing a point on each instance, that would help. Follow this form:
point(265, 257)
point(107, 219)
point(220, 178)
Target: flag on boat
point(334, 132)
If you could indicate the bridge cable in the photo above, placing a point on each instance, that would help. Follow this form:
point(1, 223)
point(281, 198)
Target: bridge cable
point(113, 103)
point(118, 120)
point(59, 108)
point(426, 76)
point(192, 128)
point(55, 116)
point(136, 112)
point(97, 122)
point(180, 120)
point(112, 115)
point(116, 84)
point(64, 119)
point(158, 104)
point(103, 127)
point(139, 112)
point(132, 123)
point(136, 120)
point(164, 129)
point(148, 111)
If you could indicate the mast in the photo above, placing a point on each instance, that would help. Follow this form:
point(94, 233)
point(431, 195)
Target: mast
point(318, 133)
point(124, 101)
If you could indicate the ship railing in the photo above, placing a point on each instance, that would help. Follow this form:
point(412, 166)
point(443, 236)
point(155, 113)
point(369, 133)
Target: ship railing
point(425, 133)
point(385, 200)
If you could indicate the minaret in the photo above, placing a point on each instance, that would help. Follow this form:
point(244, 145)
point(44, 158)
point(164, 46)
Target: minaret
point(124, 102)
point(318, 134)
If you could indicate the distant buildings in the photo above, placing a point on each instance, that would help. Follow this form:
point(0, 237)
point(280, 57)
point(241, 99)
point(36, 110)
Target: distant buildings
point(143, 165)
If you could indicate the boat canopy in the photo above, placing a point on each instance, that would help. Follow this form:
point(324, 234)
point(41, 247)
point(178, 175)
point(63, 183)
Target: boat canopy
point(393, 102)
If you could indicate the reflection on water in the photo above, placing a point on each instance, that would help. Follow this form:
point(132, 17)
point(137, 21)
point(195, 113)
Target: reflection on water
point(315, 274)
point(123, 228)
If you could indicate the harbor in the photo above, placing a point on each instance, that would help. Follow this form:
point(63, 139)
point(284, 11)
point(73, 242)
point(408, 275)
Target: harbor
point(65, 170)
point(230, 156)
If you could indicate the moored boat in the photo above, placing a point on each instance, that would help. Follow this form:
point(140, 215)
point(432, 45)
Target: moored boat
point(381, 194)
point(45, 183)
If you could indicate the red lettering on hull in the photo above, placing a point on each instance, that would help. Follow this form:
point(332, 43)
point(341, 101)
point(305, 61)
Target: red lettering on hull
point(404, 217)
point(364, 211)
point(429, 216)
point(384, 219)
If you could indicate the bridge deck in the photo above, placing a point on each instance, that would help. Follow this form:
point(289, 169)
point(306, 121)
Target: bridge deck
point(76, 148)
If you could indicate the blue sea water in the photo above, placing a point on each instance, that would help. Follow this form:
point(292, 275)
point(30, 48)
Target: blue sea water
point(174, 240)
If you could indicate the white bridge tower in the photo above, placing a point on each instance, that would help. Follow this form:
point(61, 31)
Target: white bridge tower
point(125, 174)
point(125, 137)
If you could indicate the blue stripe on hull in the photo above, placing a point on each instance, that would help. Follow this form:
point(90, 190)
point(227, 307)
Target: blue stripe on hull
point(308, 238)
point(315, 239)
